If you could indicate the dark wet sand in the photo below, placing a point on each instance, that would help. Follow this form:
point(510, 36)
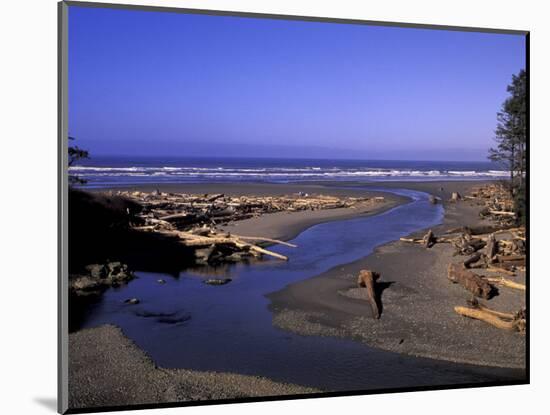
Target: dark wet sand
point(418, 300)
point(107, 369)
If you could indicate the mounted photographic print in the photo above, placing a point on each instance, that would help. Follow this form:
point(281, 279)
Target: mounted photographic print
point(258, 207)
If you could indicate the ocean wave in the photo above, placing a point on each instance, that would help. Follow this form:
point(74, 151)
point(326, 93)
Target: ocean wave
point(266, 173)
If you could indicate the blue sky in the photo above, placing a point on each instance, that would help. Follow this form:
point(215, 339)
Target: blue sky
point(151, 83)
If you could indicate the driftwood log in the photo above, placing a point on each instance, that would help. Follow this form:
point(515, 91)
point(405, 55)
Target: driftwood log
point(501, 213)
point(492, 248)
point(518, 260)
point(477, 305)
point(368, 279)
point(472, 282)
point(491, 268)
point(472, 260)
point(428, 240)
point(505, 282)
point(466, 245)
point(503, 321)
point(192, 240)
point(482, 229)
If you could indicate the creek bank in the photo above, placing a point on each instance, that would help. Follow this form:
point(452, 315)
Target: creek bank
point(417, 315)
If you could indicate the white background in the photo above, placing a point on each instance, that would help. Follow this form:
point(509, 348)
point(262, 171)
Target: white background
point(28, 252)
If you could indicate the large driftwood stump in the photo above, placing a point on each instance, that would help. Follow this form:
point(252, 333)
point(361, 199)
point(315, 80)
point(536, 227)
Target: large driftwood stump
point(492, 248)
point(472, 282)
point(472, 260)
point(367, 279)
point(429, 239)
point(455, 197)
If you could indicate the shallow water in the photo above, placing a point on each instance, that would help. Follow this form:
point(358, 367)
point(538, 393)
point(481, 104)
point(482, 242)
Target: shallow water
point(185, 323)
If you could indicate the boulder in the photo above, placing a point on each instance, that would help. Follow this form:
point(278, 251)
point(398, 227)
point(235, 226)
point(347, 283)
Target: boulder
point(115, 267)
point(202, 256)
point(84, 283)
point(99, 277)
point(97, 270)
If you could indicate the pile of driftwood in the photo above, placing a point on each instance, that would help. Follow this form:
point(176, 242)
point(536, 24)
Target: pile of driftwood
point(495, 201)
point(194, 219)
point(498, 249)
point(213, 247)
point(183, 211)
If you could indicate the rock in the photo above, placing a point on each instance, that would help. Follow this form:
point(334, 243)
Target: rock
point(237, 256)
point(174, 320)
point(132, 301)
point(202, 256)
point(97, 270)
point(115, 267)
point(84, 283)
point(217, 281)
point(161, 281)
point(118, 273)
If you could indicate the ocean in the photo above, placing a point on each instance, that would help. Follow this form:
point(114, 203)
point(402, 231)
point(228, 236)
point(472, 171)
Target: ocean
point(128, 171)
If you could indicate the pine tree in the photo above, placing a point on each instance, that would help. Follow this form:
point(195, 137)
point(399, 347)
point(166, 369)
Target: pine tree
point(511, 139)
point(75, 154)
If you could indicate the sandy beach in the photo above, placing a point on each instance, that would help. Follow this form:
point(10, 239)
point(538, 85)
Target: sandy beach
point(107, 368)
point(417, 299)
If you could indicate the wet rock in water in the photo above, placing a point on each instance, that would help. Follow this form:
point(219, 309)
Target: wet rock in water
point(203, 255)
point(174, 320)
point(84, 285)
point(238, 257)
point(109, 274)
point(118, 272)
point(217, 281)
point(115, 267)
point(161, 281)
point(148, 314)
point(131, 301)
point(173, 317)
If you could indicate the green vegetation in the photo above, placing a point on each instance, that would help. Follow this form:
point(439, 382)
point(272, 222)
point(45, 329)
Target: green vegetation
point(75, 154)
point(511, 139)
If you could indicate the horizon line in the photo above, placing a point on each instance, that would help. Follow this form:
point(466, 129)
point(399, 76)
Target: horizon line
point(286, 158)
